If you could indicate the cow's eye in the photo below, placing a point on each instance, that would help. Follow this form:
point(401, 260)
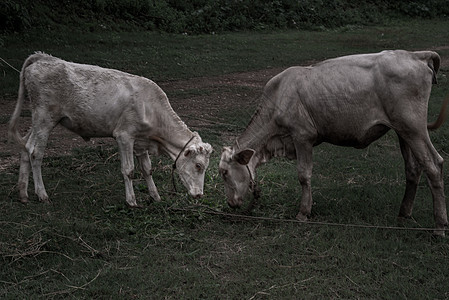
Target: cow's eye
point(199, 167)
point(224, 173)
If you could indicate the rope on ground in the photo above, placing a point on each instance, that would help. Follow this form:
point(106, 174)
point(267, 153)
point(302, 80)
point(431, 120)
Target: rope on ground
point(211, 211)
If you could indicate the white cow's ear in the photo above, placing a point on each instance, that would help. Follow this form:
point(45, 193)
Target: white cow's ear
point(209, 149)
point(243, 157)
point(187, 152)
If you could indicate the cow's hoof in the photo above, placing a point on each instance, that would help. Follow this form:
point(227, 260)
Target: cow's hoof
point(402, 221)
point(157, 199)
point(440, 231)
point(45, 200)
point(300, 217)
point(23, 200)
point(135, 206)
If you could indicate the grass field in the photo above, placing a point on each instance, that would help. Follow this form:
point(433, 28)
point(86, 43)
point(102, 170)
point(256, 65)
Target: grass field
point(88, 244)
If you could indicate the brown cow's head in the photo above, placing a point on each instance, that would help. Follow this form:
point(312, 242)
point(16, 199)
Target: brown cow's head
point(236, 174)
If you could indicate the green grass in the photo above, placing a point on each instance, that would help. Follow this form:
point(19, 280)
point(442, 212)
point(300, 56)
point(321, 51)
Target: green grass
point(88, 244)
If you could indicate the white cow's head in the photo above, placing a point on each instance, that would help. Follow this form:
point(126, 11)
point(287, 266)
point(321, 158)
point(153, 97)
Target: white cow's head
point(236, 174)
point(192, 164)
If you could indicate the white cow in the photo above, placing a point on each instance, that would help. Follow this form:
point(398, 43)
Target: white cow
point(97, 102)
point(347, 101)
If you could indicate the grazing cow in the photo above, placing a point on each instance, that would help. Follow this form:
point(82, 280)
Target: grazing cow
point(96, 102)
point(346, 101)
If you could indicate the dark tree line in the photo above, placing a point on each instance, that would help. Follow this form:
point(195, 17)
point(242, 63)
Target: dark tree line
point(206, 16)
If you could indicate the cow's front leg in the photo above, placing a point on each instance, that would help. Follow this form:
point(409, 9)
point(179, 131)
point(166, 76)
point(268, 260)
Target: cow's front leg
point(125, 146)
point(145, 165)
point(304, 165)
point(413, 171)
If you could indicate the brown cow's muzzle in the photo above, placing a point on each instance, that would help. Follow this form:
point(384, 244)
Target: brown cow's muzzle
point(235, 202)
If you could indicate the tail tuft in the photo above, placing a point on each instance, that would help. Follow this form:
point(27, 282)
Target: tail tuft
point(441, 117)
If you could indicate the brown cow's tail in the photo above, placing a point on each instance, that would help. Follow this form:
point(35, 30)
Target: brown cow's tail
point(441, 117)
point(435, 65)
point(433, 61)
point(13, 131)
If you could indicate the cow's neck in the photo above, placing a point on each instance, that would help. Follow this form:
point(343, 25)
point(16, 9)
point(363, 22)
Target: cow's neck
point(173, 135)
point(174, 145)
point(258, 133)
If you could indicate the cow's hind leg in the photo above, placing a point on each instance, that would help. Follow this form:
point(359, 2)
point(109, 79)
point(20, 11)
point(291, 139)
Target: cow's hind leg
point(145, 165)
point(125, 146)
point(413, 171)
point(35, 148)
point(432, 164)
point(24, 173)
point(304, 168)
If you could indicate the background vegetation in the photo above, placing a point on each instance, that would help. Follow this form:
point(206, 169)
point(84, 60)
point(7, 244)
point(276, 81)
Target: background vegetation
point(88, 244)
point(207, 16)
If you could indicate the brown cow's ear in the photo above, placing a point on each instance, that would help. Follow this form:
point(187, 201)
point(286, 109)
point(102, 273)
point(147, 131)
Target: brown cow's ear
point(243, 157)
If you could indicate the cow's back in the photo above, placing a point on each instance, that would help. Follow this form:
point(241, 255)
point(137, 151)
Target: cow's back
point(87, 99)
point(344, 98)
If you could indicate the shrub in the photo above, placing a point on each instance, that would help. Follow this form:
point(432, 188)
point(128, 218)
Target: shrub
point(14, 15)
point(205, 16)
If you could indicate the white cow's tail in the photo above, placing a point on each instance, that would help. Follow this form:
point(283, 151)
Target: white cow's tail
point(13, 131)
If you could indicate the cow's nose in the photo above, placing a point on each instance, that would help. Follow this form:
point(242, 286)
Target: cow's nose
point(198, 196)
point(235, 204)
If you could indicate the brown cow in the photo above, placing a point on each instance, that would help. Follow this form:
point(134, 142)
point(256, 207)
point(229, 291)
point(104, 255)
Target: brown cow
point(346, 101)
